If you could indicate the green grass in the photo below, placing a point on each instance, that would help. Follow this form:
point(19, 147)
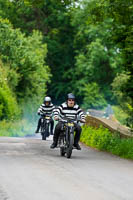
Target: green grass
point(16, 129)
point(104, 140)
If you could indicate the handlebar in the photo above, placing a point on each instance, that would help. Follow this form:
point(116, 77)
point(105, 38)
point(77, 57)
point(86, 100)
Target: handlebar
point(66, 120)
point(43, 115)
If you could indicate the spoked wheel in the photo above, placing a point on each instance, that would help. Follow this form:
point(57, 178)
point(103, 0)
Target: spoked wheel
point(70, 146)
point(47, 130)
point(62, 151)
point(43, 132)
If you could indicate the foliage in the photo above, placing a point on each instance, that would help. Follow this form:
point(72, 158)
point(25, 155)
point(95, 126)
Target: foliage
point(8, 105)
point(26, 57)
point(24, 74)
point(123, 99)
point(16, 129)
point(52, 18)
point(87, 42)
point(92, 97)
point(120, 115)
point(97, 58)
point(103, 39)
point(102, 139)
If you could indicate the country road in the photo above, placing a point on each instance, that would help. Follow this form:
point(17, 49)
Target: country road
point(30, 170)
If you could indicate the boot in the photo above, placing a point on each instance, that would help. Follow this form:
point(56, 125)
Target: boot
point(77, 146)
point(76, 140)
point(55, 141)
point(37, 130)
point(38, 126)
point(53, 145)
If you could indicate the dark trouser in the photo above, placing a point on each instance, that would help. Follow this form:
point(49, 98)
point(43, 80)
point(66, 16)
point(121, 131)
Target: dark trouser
point(51, 124)
point(58, 130)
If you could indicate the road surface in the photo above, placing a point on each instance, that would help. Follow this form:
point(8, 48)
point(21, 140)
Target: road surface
point(30, 170)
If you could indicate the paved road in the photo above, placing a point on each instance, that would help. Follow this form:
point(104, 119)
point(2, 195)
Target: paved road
point(30, 170)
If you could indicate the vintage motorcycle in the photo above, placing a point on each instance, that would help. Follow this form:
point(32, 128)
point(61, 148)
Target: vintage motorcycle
point(66, 138)
point(45, 125)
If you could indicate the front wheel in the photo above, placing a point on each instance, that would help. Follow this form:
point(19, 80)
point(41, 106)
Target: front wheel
point(47, 130)
point(70, 146)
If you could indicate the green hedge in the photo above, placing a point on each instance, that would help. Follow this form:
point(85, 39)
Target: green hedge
point(104, 140)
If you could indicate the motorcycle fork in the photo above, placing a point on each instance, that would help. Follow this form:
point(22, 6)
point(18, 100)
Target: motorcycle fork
point(69, 130)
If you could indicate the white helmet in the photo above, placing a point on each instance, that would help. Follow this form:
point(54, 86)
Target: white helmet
point(47, 99)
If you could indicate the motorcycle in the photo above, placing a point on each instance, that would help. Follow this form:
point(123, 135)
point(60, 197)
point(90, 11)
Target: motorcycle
point(66, 138)
point(45, 124)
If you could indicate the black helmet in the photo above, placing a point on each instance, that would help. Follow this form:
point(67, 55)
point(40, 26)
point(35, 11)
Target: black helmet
point(47, 99)
point(70, 96)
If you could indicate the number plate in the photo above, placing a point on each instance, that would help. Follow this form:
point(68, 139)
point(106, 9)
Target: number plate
point(47, 117)
point(70, 124)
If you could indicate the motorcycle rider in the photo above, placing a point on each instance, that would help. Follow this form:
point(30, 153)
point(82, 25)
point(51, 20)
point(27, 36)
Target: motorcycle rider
point(46, 108)
point(70, 110)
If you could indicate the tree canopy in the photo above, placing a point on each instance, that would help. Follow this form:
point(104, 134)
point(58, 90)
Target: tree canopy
point(61, 46)
point(23, 63)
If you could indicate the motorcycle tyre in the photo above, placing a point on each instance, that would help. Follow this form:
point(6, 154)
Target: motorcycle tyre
point(62, 151)
point(47, 130)
point(70, 147)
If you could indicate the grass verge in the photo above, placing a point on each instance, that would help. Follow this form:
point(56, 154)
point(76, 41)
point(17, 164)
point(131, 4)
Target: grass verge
point(104, 140)
point(16, 129)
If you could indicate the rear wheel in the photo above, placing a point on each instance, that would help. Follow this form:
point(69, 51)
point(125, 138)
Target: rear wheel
point(62, 151)
point(70, 146)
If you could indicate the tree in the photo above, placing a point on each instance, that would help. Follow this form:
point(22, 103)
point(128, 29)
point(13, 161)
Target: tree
point(92, 97)
point(9, 108)
point(53, 19)
point(27, 74)
point(26, 58)
point(98, 58)
point(124, 100)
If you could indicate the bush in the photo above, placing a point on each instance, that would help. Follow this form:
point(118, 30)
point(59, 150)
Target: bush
point(103, 139)
point(120, 115)
point(8, 105)
point(26, 56)
point(16, 129)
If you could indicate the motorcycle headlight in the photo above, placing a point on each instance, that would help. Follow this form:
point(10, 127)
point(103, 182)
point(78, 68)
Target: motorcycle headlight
point(47, 117)
point(70, 124)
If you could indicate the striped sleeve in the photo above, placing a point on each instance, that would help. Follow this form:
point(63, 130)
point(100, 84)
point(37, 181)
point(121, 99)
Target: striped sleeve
point(59, 111)
point(52, 110)
point(56, 112)
point(80, 113)
point(40, 110)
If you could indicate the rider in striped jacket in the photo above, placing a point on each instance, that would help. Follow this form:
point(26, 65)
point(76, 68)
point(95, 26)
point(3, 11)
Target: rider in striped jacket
point(46, 108)
point(70, 110)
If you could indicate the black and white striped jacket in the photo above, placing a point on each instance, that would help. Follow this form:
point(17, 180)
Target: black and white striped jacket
point(46, 110)
point(70, 112)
